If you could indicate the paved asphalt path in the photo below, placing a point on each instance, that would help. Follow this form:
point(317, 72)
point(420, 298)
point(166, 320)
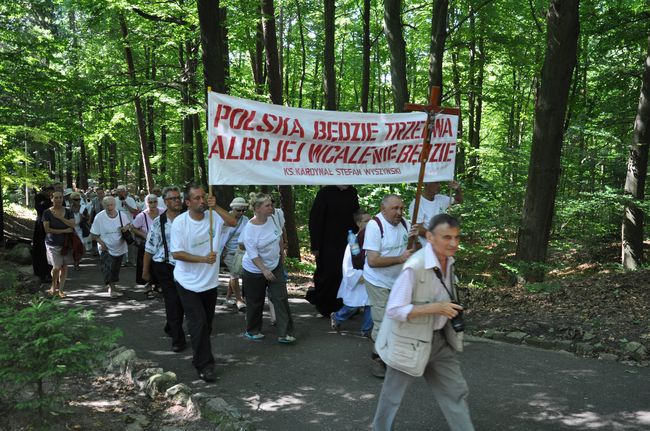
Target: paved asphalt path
point(323, 382)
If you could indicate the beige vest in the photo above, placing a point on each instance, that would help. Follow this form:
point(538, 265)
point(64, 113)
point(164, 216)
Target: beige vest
point(406, 346)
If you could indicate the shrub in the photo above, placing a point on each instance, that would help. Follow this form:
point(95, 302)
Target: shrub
point(45, 341)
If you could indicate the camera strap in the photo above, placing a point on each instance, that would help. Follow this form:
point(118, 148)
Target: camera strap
point(451, 292)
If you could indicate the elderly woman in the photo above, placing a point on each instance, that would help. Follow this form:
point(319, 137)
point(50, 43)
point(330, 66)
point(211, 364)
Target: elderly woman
point(230, 237)
point(142, 223)
point(81, 223)
point(58, 221)
point(262, 268)
point(107, 230)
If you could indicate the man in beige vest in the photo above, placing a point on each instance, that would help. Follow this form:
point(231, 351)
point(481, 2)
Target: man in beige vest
point(417, 337)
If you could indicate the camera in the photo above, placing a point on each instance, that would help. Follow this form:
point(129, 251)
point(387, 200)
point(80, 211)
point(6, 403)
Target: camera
point(458, 322)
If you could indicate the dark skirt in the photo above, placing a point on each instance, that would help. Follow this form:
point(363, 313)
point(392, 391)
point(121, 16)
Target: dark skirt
point(110, 266)
point(41, 267)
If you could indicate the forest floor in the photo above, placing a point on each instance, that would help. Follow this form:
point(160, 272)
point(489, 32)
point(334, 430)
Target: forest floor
point(602, 309)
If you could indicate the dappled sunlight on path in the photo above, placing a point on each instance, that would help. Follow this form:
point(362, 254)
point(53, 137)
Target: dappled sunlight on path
point(323, 382)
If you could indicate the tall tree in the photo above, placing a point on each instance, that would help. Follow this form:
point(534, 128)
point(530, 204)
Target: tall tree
point(365, 54)
point(139, 114)
point(397, 47)
point(437, 47)
point(329, 61)
point(215, 63)
point(637, 170)
point(275, 88)
point(544, 170)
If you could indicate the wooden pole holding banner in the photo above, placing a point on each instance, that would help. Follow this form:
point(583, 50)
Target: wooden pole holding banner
point(431, 109)
point(210, 194)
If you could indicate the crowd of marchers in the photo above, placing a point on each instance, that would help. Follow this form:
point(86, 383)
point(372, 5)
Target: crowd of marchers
point(398, 276)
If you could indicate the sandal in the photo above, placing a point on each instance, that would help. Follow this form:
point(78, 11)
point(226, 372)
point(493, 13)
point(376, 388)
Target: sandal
point(241, 306)
point(62, 294)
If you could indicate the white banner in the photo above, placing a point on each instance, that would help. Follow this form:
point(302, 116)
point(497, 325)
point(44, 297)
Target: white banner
point(253, 143)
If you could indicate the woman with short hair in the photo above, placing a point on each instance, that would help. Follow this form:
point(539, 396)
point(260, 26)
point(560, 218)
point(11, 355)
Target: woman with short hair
point(141, 224)
point(58, 221)
point(107, 230)
point(262, 268)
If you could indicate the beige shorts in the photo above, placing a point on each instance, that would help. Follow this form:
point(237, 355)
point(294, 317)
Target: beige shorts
point(228, 259)
point(55, 258)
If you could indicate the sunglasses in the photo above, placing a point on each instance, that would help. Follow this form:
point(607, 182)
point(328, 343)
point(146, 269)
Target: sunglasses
point(239, 210)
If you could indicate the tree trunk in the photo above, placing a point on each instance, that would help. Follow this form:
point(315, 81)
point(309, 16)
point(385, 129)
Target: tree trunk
point(163, 149)
point(275, 87)
point(329, 62)
point(68, 163)
point(257, 59)
point(83, 156)
point(438, 39)
point(149, 101)
point(397, 48)
point(365, 57)
point(637, 170)
point(303, 54)
point(478, 108)
point(550, 109)
point(460, 146)
point(2, 216)
point(200, 153)
point(185, 61)
point(112, 163)
point(139, 115)
point(100, 162)
point(214, 59)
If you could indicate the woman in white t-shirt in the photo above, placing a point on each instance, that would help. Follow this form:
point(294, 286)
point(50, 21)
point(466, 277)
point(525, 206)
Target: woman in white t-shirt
point(262, 269)
point(107, 230)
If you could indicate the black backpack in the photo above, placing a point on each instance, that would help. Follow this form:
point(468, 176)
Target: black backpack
point(359, 260)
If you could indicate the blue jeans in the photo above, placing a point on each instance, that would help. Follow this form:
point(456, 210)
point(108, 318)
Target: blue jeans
point(346, 312)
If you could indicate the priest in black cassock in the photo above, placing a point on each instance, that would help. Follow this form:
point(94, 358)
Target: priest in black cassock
point(330, 218)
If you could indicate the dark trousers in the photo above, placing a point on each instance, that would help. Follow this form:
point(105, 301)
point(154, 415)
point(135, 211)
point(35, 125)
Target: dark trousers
point(138, 266)
point(164, 273)
point(199, 309)
point(255, 291)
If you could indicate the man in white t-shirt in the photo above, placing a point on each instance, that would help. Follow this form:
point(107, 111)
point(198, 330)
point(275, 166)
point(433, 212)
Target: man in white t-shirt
point(124, 202)
point(385, 242)
point(432, 203)
point(197, 270)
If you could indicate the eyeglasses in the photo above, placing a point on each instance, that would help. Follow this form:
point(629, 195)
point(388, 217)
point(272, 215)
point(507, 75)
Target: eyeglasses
point(173, 198)
point(153, 202)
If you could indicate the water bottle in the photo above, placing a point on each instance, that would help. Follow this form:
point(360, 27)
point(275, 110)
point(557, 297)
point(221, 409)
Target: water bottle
point(354, 244)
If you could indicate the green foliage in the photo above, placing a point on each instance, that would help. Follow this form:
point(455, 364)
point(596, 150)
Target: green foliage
point(45, 341)
point(543, 288)
point(294, 265)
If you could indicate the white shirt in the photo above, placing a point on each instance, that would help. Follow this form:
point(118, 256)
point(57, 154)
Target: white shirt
point(230, 235)
point(109, 230)
point(193, 237)
point(352, 291)
point(429, 209)
point(261, 241)
point(393, 243)
point(120, 207)
point(399, 303)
